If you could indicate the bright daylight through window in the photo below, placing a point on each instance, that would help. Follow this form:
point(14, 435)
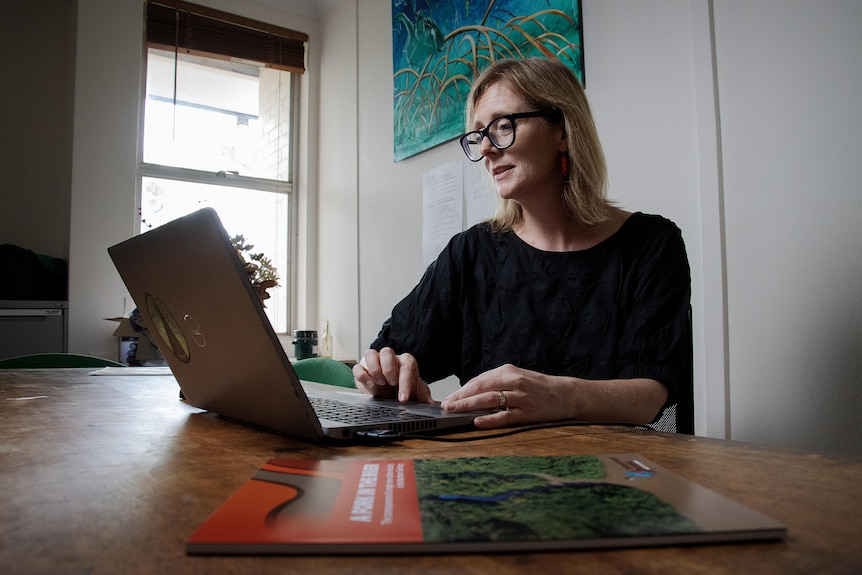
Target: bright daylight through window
point(217, 133)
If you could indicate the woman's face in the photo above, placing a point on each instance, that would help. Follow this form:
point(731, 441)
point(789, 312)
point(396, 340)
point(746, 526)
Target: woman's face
point(529, 168)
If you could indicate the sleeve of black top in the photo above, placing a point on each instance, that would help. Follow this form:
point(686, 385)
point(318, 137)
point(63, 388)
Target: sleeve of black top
point(656, 337)
point(424, 323)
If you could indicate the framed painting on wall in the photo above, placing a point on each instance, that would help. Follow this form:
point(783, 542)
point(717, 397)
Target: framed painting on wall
point(439, 47)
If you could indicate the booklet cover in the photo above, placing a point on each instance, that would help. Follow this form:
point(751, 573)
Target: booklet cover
point(479, 504)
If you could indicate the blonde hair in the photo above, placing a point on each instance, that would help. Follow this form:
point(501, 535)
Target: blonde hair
point(548, 84)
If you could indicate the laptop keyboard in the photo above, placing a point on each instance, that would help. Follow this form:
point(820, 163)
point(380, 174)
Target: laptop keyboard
point(335, 410)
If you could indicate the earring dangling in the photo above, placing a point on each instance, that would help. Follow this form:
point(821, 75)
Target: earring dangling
point(564, 166)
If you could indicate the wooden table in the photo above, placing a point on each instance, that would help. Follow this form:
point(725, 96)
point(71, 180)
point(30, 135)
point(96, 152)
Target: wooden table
point(112, 475)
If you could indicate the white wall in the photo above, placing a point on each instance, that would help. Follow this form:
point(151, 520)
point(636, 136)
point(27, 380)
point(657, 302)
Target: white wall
point(104, 166)
point(338, 170)
point(789, 88)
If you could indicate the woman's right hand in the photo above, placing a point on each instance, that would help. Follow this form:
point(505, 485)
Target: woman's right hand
point(387, 374)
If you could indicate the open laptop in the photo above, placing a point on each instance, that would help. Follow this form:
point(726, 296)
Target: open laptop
point(205, 317)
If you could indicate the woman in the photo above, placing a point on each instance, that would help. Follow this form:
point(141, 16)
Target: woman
point(562, 306)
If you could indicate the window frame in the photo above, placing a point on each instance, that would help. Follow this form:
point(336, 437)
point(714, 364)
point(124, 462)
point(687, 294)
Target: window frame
point(230, 179)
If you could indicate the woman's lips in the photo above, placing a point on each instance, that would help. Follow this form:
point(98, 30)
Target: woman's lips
point(500, 170)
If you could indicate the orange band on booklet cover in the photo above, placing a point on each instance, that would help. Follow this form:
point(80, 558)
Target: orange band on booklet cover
point(367, 501)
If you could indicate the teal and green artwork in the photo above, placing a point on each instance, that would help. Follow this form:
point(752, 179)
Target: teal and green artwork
point(440, 46)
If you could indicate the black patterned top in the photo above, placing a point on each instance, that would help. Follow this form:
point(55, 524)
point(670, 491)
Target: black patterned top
point(616, 310)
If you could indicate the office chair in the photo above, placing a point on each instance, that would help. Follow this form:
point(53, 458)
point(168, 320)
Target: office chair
point(679, 417)
point(55, 360)
point(685, 394)
point(324, 370)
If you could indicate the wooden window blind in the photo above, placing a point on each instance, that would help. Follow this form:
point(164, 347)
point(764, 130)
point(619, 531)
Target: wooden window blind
point(192, 29)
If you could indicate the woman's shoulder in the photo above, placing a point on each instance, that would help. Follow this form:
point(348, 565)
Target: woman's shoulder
point(478, 245)
point(642, 226)
point(468, 244)
point(480, 235)
point(643, 220)
point(652, 237)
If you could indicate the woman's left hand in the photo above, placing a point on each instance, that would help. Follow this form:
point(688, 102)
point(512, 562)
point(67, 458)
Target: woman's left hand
point(525, 396)
point(521, 395)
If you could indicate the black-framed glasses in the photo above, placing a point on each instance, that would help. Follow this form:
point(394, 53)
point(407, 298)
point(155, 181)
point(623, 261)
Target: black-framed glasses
point(500, 132)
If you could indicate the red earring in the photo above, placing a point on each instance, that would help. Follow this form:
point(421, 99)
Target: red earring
point(564, 166)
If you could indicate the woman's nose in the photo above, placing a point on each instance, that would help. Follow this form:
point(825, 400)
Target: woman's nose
point(486, 146)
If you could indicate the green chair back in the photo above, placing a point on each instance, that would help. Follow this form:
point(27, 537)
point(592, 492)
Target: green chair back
point(324, 370)
point(55, 360)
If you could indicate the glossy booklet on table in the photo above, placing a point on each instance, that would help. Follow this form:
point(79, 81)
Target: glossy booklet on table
point(484, 504)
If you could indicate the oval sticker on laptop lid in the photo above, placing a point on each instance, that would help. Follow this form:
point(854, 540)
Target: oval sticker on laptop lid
point(168, 329)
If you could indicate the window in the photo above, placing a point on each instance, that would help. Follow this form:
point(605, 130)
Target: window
point(219, 129)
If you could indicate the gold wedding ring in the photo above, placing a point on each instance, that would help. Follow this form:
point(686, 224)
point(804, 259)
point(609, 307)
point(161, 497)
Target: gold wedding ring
point(502, 400)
